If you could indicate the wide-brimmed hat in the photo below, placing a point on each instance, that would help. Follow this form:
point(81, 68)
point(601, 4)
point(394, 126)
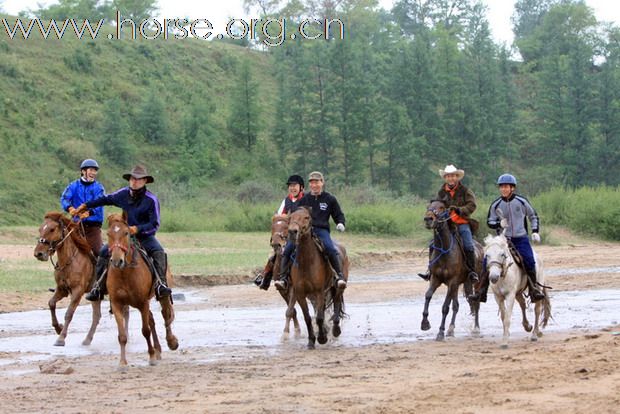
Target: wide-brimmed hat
point(315, 175)
point(451, 169)
point(139, 171)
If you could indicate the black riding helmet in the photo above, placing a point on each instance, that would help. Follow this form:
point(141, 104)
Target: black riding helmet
point(295, 179)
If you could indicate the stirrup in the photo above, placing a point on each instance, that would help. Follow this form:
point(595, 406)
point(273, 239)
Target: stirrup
point(473, 276)
point(536, 295)
point(162, 290)
point(426, 276)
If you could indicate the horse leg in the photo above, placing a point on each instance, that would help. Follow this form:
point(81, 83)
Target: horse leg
point(58, 295)
point(75, 301)
point(506, 318)
point(95, 321)
point(455, 310)
point(338, 304)
point(121, 322)
point(426, 325)
point(320, 319)
point(145, 314)
point(288, 315)
point(303, 304)
point(167, 311)
point(524, 321)
point(445, 308)
point(156, 344)
point(536, 333)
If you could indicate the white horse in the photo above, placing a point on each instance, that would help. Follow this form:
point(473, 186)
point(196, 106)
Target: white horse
point(508, 282)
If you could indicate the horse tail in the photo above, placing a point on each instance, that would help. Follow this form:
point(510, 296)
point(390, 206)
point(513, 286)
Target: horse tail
point(546, 311)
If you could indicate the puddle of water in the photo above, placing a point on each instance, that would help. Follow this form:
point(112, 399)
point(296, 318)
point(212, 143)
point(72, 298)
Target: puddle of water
point(247, 332)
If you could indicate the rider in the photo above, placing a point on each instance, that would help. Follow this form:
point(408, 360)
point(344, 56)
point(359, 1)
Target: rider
point(295, 185)
point(324, 205)
point(84, 189)
point(142, 209)
point(514, 209)
point(461, 203)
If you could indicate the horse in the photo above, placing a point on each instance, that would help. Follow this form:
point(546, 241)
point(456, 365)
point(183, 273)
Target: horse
point(279, 234)
point(74, 273)
point(447, 266)
point(508, 281)
point(130, 283)
point(312, 278)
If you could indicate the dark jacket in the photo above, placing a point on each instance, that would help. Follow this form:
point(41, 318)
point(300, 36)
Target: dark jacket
point(463, 198)
point(323, 207)
point(142, 211)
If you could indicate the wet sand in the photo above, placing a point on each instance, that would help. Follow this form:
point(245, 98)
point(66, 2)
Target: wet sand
point(383, 362)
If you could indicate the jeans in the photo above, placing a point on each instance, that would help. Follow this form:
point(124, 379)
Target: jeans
point(468, 240)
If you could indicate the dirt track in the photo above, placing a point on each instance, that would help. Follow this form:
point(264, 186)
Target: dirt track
point(565, 372)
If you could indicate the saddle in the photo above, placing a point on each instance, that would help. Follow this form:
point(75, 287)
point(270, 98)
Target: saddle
point(148, 260)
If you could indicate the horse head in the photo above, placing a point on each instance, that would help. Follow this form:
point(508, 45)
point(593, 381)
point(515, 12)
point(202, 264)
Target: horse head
point(118, 240)
point(436, 213)
point(300, 223)
point(51, 234)
point(496, 255)
point(279, 231)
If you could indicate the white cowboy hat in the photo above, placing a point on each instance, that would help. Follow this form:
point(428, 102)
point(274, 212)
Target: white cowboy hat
point(451, 169)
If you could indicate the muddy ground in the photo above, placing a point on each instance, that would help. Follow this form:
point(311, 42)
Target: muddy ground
point(570, 371)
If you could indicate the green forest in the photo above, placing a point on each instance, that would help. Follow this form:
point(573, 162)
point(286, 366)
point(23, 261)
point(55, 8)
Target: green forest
point(403, 93)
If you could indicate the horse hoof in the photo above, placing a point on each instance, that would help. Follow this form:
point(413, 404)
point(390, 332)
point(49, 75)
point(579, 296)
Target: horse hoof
point(440, 337)
point(122, 368)
point(86, 342)
point(539, 334)
point(173, 343)
point(528, 328)
point(450, 333)
point(153, 362)
point(311, 345)
point(534, 339)
point(59, 342)
point(503, 346)
point(426, 325)
point(336, 331)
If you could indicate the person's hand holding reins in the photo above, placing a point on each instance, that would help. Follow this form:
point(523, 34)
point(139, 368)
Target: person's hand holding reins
point(133, 230)
point(75, 211)
point(536, 237)
point(340, 227)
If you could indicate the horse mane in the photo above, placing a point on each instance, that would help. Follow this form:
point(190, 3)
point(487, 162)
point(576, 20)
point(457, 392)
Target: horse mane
point(500, 240)
point(116, 217)
point(77, 237)
point(279, 217)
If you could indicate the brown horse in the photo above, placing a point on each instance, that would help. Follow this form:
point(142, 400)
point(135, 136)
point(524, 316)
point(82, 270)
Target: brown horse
point(447, 266)
point(279, 234)
point(312, 277)
point(130, 283)
point(74, 272)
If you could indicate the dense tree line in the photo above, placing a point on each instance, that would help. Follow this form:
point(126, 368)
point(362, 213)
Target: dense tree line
point(404, 93)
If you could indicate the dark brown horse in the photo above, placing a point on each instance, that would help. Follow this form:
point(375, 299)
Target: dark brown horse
point(312, 278)
point(74, 271)
point(279, 234)
point(130, 283)
point(447, 266)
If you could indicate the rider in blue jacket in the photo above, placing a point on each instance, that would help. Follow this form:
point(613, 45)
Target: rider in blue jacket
point(142, 209)
point(80, 191)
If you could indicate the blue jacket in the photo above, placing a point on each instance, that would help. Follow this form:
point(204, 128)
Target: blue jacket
point(142, 211)
point(79, 192)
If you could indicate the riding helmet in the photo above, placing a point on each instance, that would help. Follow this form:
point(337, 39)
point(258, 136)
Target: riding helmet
point(295, 179)
point(89, 163)
point(507, 179)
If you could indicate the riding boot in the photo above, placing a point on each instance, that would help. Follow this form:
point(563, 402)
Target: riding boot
point(334, 260)
point(99, 288)
point(285, 270)
point(535, 292)
point(160, 263)
point(481, 294)
point(470, 262)
point(427, 275)
point(267, 274)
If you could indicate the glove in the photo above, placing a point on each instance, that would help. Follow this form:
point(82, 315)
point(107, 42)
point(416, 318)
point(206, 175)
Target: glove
point(76, 211)
point(84, 215)
point(340, 227)
point(503, 223)
point(536, 237)
point(455, 209)
point(133, 230)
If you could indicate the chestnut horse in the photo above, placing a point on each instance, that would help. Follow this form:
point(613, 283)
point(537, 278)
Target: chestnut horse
point(74, 273)
point(279, 234)
point(447, 266)
point(130, 283)
point(312, 277)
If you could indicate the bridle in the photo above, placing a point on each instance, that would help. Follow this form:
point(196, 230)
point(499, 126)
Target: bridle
point(55, 244)
point(502, 264)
